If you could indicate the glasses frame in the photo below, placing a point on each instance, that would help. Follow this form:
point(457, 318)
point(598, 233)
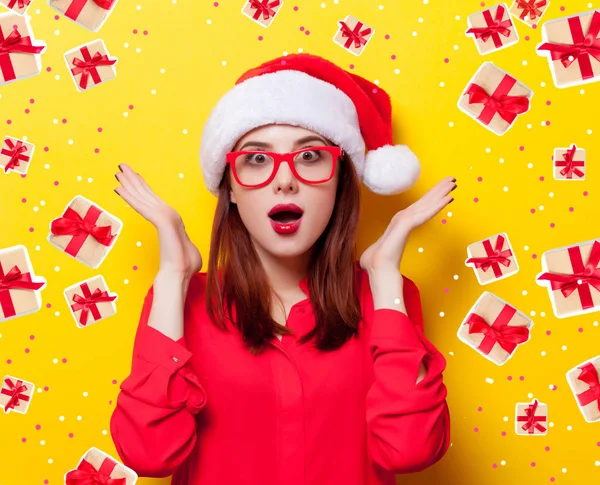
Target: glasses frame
point(279, 158)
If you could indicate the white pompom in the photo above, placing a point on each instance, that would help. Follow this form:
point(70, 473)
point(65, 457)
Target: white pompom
point(391, 169)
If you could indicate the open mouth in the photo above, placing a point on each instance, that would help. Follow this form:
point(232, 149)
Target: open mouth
point(285, 217)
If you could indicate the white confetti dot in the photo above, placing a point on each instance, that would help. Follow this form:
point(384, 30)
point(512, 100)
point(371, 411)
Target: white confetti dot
point(530, 165)
point(153, 91)
point(57, 268)
point(543, 84)
point(455, 47)
point(569, 428)
point(551, 194)
point(524, 292)
point(564, 347)
point(35, 209)
point(582, 91)
point(70, 142)
point(85, 394)
point(61, 418)
point(501, 160)
point(564, 470)
point(414, 34)
point(449, 214)
point(442, 314)
point(532, 313)
point(505, 189)
point(376, 81)
point(541, 207)
point(505, 419)
point(595, 324)
point(529, 395)
point(162, 71)
point(451, 124)
point(300, 49)
point(79, 418)
point(589, 132)
point(503, 463)
point(79, 178)
point(223, 63)
point(180, 175)
point(47, 166)
point(138, 50)
point(597, 463)
point(57, 314)
point(39, 389)
point(455, 277)
point(55, 361)
point(451, 353)
point(104, 431)
point(526, 248)
point(209, 21)
point(396, 71)
point(489, 380)
point(57, 32)
point(551, 424)
point(55, 121)
point(529, 125)
point(139, 7)
point(138, 244)
point(420, 250)
point(542, 123)
point(126, 114)
point(126, 45)
point(37, 11)
point(42, 202)
point(457, 17)
point(126, 282)
point(543, 353)
point(42, 442)
point(380, 7)
point(425, 2)
point(50, 460)
point(185, 132)
point(442, 84)
point(420, 20)
point(488, 150)
point(543, 314)
point(90, 180)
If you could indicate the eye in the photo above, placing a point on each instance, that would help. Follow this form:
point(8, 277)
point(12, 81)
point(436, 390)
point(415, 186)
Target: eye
point(310, 155)
point(256, 158)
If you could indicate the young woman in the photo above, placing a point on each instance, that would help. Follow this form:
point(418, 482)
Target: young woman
point(288, 361)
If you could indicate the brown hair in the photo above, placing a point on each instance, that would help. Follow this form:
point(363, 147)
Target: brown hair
point(335, 305)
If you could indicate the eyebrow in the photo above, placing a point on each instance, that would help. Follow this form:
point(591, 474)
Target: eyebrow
point(300, 141)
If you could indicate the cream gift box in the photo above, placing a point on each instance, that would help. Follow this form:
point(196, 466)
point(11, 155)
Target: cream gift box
point(569, 163)
point(15, 155)
point(353, 35)
point(492, 259)
point(90, 301)
point(96, 466)
point(531, 418)
point(583, 381)
point(91, 14)
point(90, 65)
point(15, 394)
point(492, 29)
point(263, 12)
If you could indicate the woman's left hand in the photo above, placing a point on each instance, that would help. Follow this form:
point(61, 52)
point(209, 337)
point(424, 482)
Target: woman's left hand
point(387, 251)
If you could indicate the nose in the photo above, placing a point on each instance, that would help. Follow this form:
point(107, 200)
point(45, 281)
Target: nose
point(284, 178)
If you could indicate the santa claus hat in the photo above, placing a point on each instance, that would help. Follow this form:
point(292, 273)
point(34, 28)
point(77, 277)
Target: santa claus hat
point(309, 91)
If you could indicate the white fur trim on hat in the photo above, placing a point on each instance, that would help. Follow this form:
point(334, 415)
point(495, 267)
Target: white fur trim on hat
point(391, 169)
point(283, 97)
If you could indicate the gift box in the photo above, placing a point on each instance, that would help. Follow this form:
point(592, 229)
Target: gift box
point(15, 395)
point(19, 51)
point(531, 418)
point(572, 45)
point(15, 155)
point(353, 35)
point(96, 467)
point(494, 99)
point(492, 259)
point(529, 12)
point(90, 65)
point(583, 381)
point(90, 301)
point(85, 231)
point(494, 328)
point(572, 275)
point(492, 29)
point(20, 294)
point(17, 6)
point(569, 163)
point(262, 11)
point(90, 14)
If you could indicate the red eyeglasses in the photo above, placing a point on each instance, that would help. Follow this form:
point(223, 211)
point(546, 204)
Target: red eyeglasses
point(257, 168)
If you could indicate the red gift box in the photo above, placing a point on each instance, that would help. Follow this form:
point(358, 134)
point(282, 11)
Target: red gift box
point(18, 6)
point(15, 394)
point(584, 383)
point(492, 29)
point(530, 418)
point(90, 14)
point(91, 300)
point(529, 12)
point(263, 12)
point(353, 35)
point(569, 163)
point(19, 56)
point(492, 259)
point(572, 45)
point(90, 65)
point(98, 468)
point(15, 155)
point(572, 275)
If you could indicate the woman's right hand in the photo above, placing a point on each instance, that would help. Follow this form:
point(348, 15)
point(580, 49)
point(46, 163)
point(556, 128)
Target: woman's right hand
point(178, 254)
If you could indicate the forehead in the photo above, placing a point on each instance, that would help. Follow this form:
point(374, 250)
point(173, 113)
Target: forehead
point(277, 133)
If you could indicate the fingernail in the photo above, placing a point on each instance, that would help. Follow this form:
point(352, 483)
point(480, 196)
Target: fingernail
point(451, 200)
point(454, 179)
point(454, 188)
point(116, 177)
point(120, 167)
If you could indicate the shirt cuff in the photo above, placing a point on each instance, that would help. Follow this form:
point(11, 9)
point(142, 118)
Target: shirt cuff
point(156, 347)
point(394, 324)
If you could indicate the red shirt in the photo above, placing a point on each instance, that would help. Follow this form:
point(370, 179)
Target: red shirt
point(206, 410)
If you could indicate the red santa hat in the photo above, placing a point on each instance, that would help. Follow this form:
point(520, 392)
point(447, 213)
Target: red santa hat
point(314, 93)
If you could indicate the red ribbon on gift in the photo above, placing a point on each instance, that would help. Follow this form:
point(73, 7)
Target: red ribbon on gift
point(265, 7)
point(494, 27)
point(15, 152)
point(88, 302)
point(495, 257)
point(88, 66)
point(354, 35)
point(14, 280)
point(532, 421)
point(86, 474)
point(13, 44)
point(570, 164)
point(507, 336)
point(582, 278)
point(76, 7)
point(589, 375)
point(507, 107)
point(21, 3)
point(582, 48)
point(16, 393)
point(72, 224)
point(531, 8)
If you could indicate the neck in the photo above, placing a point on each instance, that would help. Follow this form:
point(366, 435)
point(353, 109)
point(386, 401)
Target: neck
point(284, 274)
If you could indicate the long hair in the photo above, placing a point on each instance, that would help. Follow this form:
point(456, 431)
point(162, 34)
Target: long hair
point(244, 283)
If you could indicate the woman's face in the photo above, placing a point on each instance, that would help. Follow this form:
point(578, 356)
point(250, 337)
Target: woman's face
point(253, 204)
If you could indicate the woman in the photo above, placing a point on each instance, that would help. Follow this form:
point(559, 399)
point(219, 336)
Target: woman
point(287, 362)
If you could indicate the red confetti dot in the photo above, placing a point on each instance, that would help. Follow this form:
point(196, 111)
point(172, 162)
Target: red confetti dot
point(534, 256)
point(571, 209)
point(9, 361)
point(580, 329)
point(114, 381)
point(532, 211)
point(482, 4)
point(479, 179)
point(547, 123)
point(130, 106)
point(307, 32)
point(56, 17)
point(295, 9)
point(56, 182)
point(23, 200)
point(526, 37)
point(96, 150)
point(444, 221)
point(552, 224)
point(26, 351)
point(8, 122)
point(23, 440)
point(48, 69)
point(551, 479)
point(476, 430)
point(542, 178)
point(135, 268)
point(145, 32)
point(585, 193)
point(135, 31)
point(260, 37)
point(476, 199)
point(48, 305)
point(393, 56)
point(27, 111)
point(521, 148)
point(446, 60)
point(548, 332)
point(494, 466)
point(99, 130)
point(503, 433)
point(534, 26)
point(37, 426)
point(64, 120)
point(510, 378)
point(446, 290)
point(547, 448)
point(351, 66)
point(32, 100)
point(479, 409)
point(562, 9)
point(46, 388)
point(46, 149)
point(548, 102)
point(522, 378)
point(301, 29)
point(554, 388)
point(533, 463)
point(31, 229)
point(31, 337)
point(64, 361)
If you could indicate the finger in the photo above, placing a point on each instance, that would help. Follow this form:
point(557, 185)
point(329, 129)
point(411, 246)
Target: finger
point(129, 180)
point(146, 189)
point(137, 204)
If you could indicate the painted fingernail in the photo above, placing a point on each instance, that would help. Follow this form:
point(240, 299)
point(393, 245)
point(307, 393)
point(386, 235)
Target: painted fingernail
point(454, 188)
point(451, 200)
point(116, 177)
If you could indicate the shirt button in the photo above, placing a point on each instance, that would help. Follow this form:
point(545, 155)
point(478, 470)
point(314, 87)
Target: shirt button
point(175, 359)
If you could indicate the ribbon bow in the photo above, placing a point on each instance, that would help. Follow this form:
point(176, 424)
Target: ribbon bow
point(570, 164)
point(86, 474)
point(72, 224)
point(531, 8)
point(88, 65)
point(265, 7)
point(508, 107)
point(354, 35)
point(494, 256)
point(16, 43)
point(14, 280)
point(88, 301)
point(589, 375)
point(531, 419)
point(582, 48)
point(15, 391)
point(582, 278)
point(15, 152)
point(493, 28)
point(507, 336)
point(20, 3)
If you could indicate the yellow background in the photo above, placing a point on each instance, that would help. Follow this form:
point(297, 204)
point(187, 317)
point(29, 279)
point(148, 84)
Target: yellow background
point(202, 50)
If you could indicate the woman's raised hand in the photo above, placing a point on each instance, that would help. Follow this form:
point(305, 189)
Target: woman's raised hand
point(177, 252)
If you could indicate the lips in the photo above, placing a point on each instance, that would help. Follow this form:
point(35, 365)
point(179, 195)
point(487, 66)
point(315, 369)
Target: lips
point(285, 213)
